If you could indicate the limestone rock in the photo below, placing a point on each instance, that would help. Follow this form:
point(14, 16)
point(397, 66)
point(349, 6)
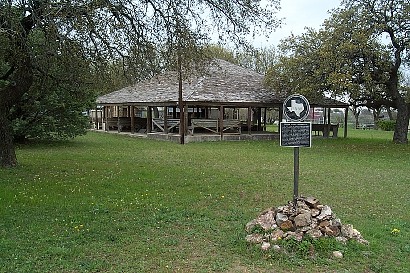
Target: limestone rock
point(280, 218)
point(337, 254)
point(347, 231)
point(305, 228)
point(362, 241)
point(250, 225)
point(287, 225)
point(341, 239)
point(303, 211)
point(315, 212)
point(325, 213)
point(303, 219)
point(308, 218)
point(311, 202)
point(324, 224)
point(314, 233)
point(298, 236)
point(276, 235)
point(302, 206)
point(276, 247)
point(337, 222)
point(265, 246)
point(267, 219)
point(331, 231)
point(288, 209)
point(254, 238)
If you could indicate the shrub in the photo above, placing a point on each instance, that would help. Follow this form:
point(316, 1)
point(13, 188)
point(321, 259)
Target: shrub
point(387, 125)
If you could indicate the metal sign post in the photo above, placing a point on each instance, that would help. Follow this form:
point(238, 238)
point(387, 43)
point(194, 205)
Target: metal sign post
point(295, 175)
point(295, 133)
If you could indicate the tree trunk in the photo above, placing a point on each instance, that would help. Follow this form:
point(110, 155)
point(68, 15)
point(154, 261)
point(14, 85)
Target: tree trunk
point(19, 79)
point(20, 83)
point(402, 122)
point(376, 117)
point(7, 153)
point(390, 113)
point(356, 113)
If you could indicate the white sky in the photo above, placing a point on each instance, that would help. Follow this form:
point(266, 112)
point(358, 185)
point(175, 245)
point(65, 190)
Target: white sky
point(297, 15)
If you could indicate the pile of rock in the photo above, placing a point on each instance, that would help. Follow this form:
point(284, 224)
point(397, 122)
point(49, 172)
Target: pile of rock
point(307, 218)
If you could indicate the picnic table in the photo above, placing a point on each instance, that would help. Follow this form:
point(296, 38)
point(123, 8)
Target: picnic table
point(325, 129)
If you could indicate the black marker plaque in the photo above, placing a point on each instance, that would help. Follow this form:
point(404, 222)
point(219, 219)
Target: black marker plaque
point(295, 134)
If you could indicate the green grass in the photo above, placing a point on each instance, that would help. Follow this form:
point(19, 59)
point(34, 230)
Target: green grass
point(109, 203)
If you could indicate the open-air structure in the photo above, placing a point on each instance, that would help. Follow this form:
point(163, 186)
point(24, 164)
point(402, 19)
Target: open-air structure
point(223, 102)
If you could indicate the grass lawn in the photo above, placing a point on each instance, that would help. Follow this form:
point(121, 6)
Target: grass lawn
point(110, 203)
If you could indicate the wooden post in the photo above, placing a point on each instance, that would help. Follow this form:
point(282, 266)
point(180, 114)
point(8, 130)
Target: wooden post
point(328, 121)
point(165, 113)
point(249, 120)
point(118, 119)
point(96, 118)
point(259, 114)
point(174, 112)
point(264, 119)
point(149, 119)
point(280, 113)
point(181, 103)
point(328, 116)
point(313, 114)
point(345, 129)
point(221, 121)
point(186, 112)
point(132, 119)
point(103, 118)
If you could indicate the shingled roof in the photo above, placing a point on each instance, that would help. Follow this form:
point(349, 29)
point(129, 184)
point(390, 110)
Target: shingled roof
point(221, 83)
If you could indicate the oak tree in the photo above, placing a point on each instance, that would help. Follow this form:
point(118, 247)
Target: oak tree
point(144, 35)
point(349, 57)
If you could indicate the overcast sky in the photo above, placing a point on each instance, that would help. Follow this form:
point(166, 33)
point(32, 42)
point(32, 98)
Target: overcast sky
point(297, 15)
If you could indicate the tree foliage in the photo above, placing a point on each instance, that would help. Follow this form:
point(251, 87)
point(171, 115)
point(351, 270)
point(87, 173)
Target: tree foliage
point(54, 53)
point(62, 89)
point(350, 58)
point(392, 18)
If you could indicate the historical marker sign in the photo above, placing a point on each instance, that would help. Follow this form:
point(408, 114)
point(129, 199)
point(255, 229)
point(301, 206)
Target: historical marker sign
point(296, 108)
point(295, 134)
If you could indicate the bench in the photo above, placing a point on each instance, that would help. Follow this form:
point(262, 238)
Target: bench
point(160, 124)
point(232, 124)
point(367, 126)
point(118, 123)
point(212, 125)
point(207, 124)
point(140, 124)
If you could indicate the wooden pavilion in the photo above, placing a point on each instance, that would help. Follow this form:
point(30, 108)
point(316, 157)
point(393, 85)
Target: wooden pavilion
point(223, 102)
